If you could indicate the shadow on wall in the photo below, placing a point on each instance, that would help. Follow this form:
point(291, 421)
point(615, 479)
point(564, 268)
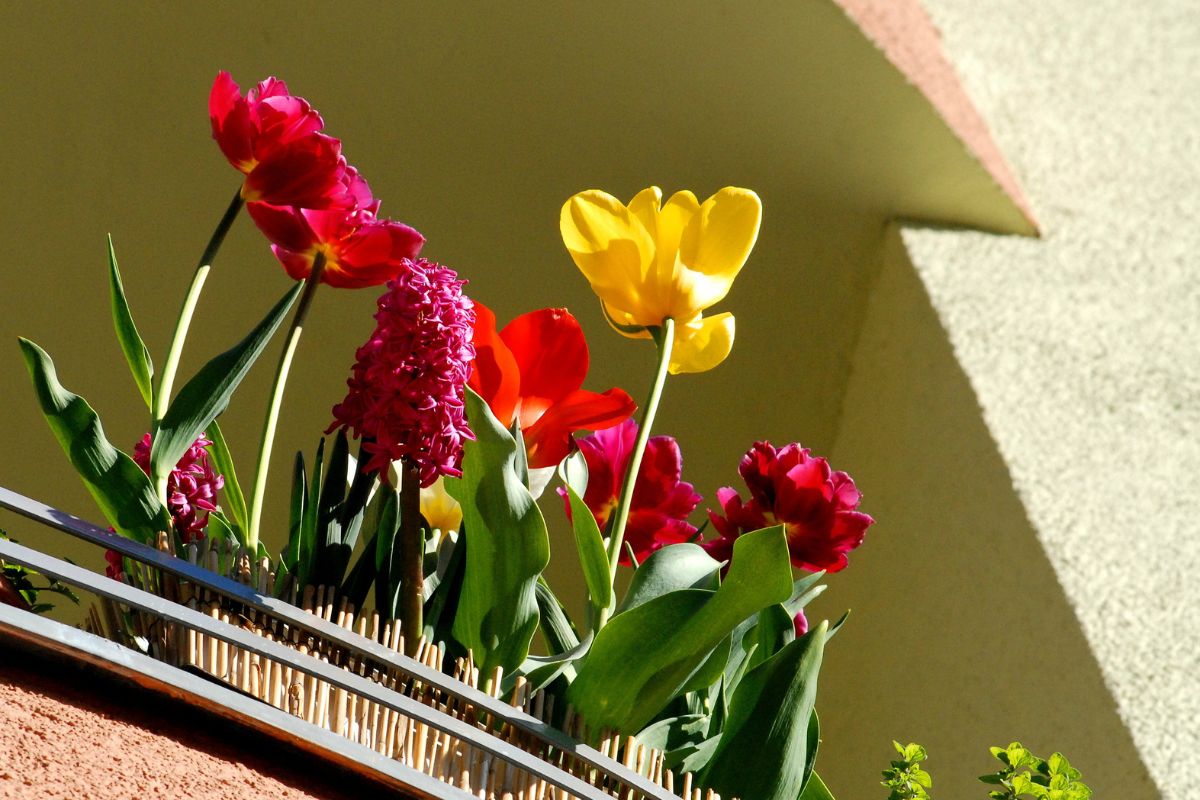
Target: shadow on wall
point(958, 612)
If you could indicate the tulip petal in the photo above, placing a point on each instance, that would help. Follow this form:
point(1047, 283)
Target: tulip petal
point(717, 241)
point(231, 124)
point(494, 373)
point(373, 254)
point(285, 226)
point(702, 344)
point(548, 440)
point(611, 247)
point(551, 355)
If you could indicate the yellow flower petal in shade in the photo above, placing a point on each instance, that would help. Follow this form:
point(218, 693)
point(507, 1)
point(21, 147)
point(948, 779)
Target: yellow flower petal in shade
point(718, 239)
point(702, 344)
point(611, 246)
point(440, 510)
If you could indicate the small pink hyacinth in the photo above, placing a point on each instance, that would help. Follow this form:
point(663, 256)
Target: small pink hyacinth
point(191, 487)
point(407, 391)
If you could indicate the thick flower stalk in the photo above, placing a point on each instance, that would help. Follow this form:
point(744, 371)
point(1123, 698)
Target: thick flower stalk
point(406, 400)
point(817, 507)
point(649, 262)
point(532, 371)
point(191, 487)
point(406, 396)
point(661, 500)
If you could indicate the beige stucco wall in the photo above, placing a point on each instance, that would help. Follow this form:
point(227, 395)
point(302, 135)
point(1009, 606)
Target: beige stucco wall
point(1082, 348)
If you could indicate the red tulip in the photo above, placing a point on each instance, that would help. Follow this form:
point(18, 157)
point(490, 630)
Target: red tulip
point(532, 372)
point(360, 249)
point(661, 501)
point(275, 140)
point(817, 507)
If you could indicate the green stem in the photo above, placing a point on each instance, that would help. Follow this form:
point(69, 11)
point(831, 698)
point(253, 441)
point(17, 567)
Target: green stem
point(272, 420)
point(665, 338)
point(412, 555)
point(162, 399)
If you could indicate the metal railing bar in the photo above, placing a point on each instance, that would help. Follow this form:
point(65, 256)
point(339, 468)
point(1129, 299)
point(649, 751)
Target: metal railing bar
point(48, 634)
point(331, 674)
point(287, 613)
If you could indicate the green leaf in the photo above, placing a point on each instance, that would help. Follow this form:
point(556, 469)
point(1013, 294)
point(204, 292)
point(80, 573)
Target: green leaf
point(573, 471)
point(207, 394)
point(815, 789)
point(328, 557)
point(233, 501)
point(289, 558)
point(387, 589)
point(132, 346)
point(541, 671)
point(668, 569)
point(557, 630)
point(592, 556)
point(508, 545)
point(123, 492)
point(765, 751)
point(442, 605)
point(675, 732)
point(306, 563)
point(647, 654)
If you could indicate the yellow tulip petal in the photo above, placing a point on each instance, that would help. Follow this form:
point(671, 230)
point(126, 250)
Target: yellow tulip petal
point(644, 206)
point(618, 320)
point(440, 510)
point(718, 239)
point(702, 344)
point(610, 245)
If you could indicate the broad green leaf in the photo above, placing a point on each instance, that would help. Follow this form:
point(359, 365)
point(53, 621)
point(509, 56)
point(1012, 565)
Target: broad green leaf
point(668, 569)
point(757, 639)
point(233, 501)
point(507, 547)
point(541, 671)
point(675, 732)
point(220, 527)
point(132, 346)
point(765, 747)
point(592, 556)
point(815, 789)
point(123, 492)
point(207, 394)
point(557, 630)
point(442, 605)
point(647, 654)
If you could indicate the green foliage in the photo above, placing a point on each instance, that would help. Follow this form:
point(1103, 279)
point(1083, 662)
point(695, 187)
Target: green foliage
point(592, 557)
point(232, 499)
point(132, 346)
point(905, 777)
point(647, 655)
point(1025, 775)
point(32, 585)
point(508, 545)
point(115, 481)
point(207, 394)
point(769, 741)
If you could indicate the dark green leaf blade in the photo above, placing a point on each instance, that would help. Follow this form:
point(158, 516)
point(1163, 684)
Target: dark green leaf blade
point(815, 789)
point(676, 566)
point(507, 547)
point(233, 501)
point(646, 655)
point(765, 747)
point(132, 346)
point(207, 394)
point(117, 483)
point(592, 557)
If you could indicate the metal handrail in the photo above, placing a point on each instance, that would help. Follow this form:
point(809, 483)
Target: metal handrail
point(310, 623)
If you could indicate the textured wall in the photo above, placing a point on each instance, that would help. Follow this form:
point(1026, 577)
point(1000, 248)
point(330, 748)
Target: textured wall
point(1083, 347)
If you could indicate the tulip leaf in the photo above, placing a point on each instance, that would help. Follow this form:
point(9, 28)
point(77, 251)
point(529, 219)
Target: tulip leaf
point(132, 346)
point(768, 742)
point(676, 566)
point(207, 394)
point(119, 486)
point(815, 789)
point(592, 555)
point(289, 558)
point(233, 501)
point(647, 655)
point(557, 630)
point(507, 545)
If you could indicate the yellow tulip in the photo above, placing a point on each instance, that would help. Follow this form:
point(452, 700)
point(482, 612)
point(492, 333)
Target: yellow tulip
point(648, 261)
point(440, 510)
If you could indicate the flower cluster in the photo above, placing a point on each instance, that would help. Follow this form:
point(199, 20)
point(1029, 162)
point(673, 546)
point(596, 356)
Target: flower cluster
point(532, 372)
point(661, 501)
point(817, 507)
point(300, 191)
point(407, 390)
point(191, 487)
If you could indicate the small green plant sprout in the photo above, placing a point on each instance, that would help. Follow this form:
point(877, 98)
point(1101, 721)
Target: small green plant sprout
point(31, 586)
point(1025, 775)
point(906, 779)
